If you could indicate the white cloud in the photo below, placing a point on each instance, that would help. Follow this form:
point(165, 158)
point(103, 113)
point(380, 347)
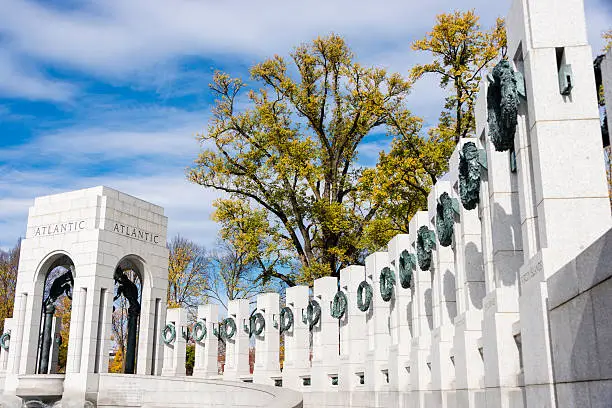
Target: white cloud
point(153, 162)
point(140, 41)
point(17, 79)
point(116, 38)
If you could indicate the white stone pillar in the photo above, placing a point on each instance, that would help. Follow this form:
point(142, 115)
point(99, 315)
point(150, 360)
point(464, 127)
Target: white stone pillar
point(401, 318)
point(469, 367)
point(4, 354)
point(267, 344)
point(422, 320)
point(296, 365)
point(237, 348)
point(444, 306)
point(175, 353)
point(353, 330)
point(565, 205)
point(502, 256)
point(325, 338)
point(55, 345)
point(207, 350)
point(379, 336)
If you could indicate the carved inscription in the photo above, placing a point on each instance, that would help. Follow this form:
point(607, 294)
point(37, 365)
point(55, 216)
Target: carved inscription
point(135, 233)
point(531, 272)
point(59, 228)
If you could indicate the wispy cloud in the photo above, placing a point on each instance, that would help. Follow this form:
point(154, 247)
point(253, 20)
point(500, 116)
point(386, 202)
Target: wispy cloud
point(141, 145)
point(148, 163)
point(19, 79)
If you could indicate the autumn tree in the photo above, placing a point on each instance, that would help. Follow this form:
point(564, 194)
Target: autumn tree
point(401, 181)
point(403, 177)
point(63, 313)
point(234, 276)
point(188, 266)
point(9, 263)
point(607, 37)
point(292, 152)
point(116, 363)
point(254, 248)
point(461, 51)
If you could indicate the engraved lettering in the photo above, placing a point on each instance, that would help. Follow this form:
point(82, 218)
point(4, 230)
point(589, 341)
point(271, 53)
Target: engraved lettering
point(136, 233)
point(59, 228)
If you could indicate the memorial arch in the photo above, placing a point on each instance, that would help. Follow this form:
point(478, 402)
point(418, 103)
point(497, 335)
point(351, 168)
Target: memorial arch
point(85, 251)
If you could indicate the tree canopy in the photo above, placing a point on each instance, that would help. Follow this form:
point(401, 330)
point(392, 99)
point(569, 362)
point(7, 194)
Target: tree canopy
point(292, 152)
point(286, 153)
point(9, 263)
point(461, 52)
point(188, 268)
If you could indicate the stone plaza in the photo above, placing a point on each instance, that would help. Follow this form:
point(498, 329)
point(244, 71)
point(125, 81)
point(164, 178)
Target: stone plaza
point(498, 297)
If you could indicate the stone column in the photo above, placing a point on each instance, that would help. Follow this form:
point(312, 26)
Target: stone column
point(175, 352)
point(379, 336)
point(502, 256)
point(55, 345)
point(297, 340)
point(401, 316)
point(469, 367)
point(444, 305)
point(78, 315)
point(267, 344)
point(46, 340)
point(325, 338)
point(207, 350)
point(422, 321)
point(353, 330)
point(566, 205)
point(237, 348)
point(106, 327)
point(4, 353)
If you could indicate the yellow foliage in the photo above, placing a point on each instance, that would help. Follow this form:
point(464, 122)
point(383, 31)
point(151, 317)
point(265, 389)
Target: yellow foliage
point(9, 261)
point(187, 273)
point(289, 160)
point(607, 36)
point(461, 52)
point(63, 311)
point(116, 364)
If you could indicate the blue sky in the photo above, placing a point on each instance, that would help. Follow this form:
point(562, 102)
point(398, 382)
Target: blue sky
point(113, 92)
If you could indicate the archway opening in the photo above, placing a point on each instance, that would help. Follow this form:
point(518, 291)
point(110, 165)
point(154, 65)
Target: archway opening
point(55, 317)
point(126, 315)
